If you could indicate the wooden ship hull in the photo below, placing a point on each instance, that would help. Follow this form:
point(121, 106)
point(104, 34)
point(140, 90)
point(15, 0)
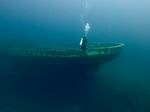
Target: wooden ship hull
point(69, 58)
point(63, 73)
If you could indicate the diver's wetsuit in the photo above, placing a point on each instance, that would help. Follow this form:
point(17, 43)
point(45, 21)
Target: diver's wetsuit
point(83, 45)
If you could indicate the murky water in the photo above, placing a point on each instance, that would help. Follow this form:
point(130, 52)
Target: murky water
point(121, 85)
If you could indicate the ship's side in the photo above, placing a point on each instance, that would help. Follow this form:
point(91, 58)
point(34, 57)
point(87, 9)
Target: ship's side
point(63, 72)
point(97, 54)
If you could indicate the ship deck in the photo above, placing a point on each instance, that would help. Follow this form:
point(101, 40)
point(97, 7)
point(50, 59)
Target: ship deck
point(94, 49)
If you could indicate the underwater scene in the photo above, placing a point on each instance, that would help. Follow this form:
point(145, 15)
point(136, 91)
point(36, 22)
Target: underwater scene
point(74, 56)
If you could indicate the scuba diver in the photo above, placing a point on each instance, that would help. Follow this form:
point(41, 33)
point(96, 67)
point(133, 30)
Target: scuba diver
point(83, 46)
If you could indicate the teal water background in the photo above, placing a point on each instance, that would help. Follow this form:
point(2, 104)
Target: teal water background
point(44, 22)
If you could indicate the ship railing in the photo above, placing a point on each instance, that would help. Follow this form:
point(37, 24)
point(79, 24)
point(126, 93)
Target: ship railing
point(93, 49)
point(105, 48)
point(40, 53)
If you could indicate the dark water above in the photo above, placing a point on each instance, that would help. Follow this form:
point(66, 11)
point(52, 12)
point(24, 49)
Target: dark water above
point(121, 85)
